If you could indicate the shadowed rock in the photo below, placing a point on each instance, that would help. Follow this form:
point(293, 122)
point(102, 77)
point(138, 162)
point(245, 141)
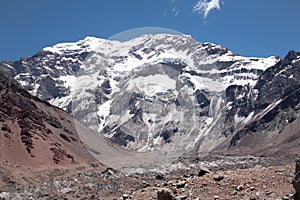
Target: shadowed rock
point(165, 194)
point(296, 181)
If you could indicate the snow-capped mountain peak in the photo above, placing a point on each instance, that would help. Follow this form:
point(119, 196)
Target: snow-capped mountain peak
point(155, 92)
point(87, 45)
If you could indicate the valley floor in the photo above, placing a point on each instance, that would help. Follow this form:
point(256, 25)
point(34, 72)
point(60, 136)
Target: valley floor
point(254, 183)
point(229, 178)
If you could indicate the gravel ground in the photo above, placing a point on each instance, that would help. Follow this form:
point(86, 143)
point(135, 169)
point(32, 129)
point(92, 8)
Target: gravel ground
point(224, 178)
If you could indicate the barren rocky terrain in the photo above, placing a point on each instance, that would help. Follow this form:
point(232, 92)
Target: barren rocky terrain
point(198, 178)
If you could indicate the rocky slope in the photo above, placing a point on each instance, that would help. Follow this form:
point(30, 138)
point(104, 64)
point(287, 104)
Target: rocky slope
point(270, 122)
point(39, 142)
point(169, 94)
point(35, 134)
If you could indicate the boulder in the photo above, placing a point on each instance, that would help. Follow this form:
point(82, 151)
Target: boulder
point(218, 178)
point(203, 171)
point(296, 181)
point(165, 194)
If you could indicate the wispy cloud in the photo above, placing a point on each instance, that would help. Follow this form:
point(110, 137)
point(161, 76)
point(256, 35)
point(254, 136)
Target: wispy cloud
point(175, 11)
point(205, 6)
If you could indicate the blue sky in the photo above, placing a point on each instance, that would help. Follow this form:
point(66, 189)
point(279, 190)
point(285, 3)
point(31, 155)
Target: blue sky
point(250, 27)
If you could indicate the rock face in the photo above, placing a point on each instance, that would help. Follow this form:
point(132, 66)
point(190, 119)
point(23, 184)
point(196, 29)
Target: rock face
point(265, 119)
point(169, 93)
point(296, 181)
point(35, 133)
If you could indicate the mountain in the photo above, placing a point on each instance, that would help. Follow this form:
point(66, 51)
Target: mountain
point(169, 94)
point(34, 133)
point(270, 122)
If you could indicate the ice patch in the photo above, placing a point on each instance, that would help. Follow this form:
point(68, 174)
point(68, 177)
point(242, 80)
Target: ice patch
point(248, 118)
point(69, 81)
point(8, 66)
point(153, 84)
point(103, 111)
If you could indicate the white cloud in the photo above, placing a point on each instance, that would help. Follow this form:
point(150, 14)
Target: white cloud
point(205, 6)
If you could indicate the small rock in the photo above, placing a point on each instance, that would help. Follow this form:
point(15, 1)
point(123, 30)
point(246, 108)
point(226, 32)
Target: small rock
point(252, 188)
point(182, 197)
point(233, 193)
point(218, 178)
point(253, 198)
point(159, 177)
point(146, 184)
point(170, 182)
point(186, 176)
point(239, 188)
point(95, 164)
point(181, 184)
point(216, 197)
point(268, 193)
point(125, 196)
point(109, 171)
point(92, 197)
point(204, 184)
